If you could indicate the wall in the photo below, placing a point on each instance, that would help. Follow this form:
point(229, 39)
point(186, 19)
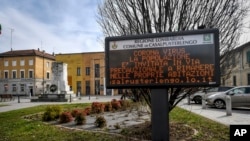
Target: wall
point(83, 61)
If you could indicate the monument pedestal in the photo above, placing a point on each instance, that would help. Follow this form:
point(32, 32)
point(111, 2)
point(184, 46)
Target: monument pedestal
point(51, 98)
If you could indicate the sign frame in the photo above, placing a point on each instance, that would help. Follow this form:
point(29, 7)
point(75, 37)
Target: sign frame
point(215, 56)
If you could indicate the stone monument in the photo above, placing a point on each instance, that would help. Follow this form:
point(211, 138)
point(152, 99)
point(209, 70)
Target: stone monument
point(59, 83)
point(59, 90)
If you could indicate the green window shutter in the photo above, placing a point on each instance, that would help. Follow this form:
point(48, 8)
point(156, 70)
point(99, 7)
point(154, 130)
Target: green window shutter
point(248, 57)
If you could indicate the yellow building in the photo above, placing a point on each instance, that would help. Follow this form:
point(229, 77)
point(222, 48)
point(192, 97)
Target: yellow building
point(86, 73)
point(25, 72)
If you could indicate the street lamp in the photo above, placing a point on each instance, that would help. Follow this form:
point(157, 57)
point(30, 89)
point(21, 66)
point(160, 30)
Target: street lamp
point(43, 71)
point(11, 30)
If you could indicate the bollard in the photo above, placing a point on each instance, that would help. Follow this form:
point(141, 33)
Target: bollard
point(228, 105)
point(188, 99)
point(18, 98)
point(70, 98)
point(203, 101)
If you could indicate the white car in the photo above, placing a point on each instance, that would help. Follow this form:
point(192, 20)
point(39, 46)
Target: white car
point(197, 97)
point(240, 97)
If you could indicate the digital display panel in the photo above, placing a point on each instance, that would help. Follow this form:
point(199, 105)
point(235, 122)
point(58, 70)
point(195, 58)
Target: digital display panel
point(189, 58)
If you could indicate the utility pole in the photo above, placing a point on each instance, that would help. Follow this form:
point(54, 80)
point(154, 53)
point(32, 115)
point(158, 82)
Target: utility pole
point(11, 31)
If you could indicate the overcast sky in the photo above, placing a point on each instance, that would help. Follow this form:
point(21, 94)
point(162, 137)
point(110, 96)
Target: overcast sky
point(59, 26)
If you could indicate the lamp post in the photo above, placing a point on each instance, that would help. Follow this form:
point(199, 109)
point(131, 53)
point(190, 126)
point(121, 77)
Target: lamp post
point(11, 31)
point(18, 90)
point(43, 72)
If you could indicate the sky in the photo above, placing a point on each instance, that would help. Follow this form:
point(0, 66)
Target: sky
point(56, 26)
point(59, 26)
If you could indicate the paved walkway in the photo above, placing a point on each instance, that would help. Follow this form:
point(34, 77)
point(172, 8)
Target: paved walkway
point(219, 115)
point(239, 116)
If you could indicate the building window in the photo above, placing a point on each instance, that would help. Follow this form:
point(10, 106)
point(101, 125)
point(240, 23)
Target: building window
point(97, 70)
point(22, 86)
point(14, 88)
point(6, 87)
point(248, 79)
point(6, 63)
point(78, 71)
point(21, 62)
point(31, 62)
point(22, 74)
point(13, 63)
point(97, 87)
point(87, 70)
point(248, 57)
point(79, 86)
point(234, 80)
point(87, 84)
point(14, 74)
point(6, 74)
point(47, 64)
point(47, 75)
point(30, 74)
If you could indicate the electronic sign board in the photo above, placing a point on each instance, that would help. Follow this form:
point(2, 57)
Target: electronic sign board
point(188, 58)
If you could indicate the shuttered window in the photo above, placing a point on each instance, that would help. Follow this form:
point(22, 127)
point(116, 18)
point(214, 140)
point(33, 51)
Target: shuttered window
point(248, 57)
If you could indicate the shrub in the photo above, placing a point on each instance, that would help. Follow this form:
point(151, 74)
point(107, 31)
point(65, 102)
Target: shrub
point(52, 112)
point(97, 107)
point(65, 117)
point(115, 104)
point(124, 104)
point(100, 122)
point(108, 107)
point(80, 118)
point(75, 111)
point(114, 100)
point(87, 111)
point(117, 126)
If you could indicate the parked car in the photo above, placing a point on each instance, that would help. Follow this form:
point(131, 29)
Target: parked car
point(197, 97)
point(240, 97)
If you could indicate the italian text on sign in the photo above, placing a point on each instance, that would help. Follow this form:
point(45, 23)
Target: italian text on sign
point(188, 58)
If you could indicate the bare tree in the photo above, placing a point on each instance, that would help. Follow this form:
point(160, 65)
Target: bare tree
point(133, 17)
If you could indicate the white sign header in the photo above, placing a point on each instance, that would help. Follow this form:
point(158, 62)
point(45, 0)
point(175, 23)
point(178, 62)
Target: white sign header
point(171, 41)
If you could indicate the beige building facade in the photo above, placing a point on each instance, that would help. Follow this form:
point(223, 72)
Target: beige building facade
point(86, 73)
point(235, 69)
point(25, 72)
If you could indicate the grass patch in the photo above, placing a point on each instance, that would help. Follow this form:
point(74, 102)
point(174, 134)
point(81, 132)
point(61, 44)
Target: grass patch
point(208, 130)
point(2, 105)
point(15, 127)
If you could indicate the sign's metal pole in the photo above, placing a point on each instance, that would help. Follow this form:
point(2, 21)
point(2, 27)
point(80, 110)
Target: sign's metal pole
point(160, 115)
